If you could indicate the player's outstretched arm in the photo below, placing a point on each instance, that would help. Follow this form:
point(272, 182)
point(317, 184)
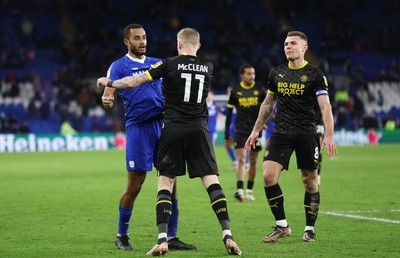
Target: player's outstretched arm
point(125, 83)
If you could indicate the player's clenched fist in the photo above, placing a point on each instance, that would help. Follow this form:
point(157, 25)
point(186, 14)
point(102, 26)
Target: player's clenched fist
point(102, 82)
point(107, 101)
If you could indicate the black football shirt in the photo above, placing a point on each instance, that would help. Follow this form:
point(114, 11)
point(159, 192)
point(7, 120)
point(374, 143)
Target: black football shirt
point(186, 82)
point(247, 101)
point(297, 90)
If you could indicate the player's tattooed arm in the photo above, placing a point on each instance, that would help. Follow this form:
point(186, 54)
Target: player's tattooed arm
point(124, 83)
point(129, 82)
point(265, 112)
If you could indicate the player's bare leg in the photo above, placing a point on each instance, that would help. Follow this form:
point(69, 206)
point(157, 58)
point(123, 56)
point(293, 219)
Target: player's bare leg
point(127, 200)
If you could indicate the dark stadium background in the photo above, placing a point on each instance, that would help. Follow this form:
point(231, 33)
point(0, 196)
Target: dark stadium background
point(53, 51)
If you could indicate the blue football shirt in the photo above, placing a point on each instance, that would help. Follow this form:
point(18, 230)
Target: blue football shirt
point(144, 102)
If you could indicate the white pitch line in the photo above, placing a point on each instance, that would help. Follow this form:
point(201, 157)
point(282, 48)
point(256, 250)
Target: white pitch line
point(365, 211)
point(360, 217)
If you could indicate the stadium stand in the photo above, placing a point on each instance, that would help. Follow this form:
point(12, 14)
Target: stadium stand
point(53, 49)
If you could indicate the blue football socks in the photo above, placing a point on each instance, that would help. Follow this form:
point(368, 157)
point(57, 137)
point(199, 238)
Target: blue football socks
point(123, 221)
point(173, 220)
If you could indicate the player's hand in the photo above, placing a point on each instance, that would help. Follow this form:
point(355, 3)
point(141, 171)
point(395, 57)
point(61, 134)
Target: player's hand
point(107, 101)
point(329, 144)
point(102, 82)
point(228, 142)
point(251, 141)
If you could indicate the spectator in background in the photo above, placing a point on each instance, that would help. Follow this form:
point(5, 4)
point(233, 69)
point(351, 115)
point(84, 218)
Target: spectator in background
point(363, 95)
point(4, 126)
point(342, 97)
point(389, 123)
point(85, 100)
point(101, 124)
point(66, 128)
point(13, 123)
point(24, 128)
point(358, 112)
point(379, 98)
point(370, 121)
point(32, 108)
point(79, 48)
point(341, 118)
point(45, 108)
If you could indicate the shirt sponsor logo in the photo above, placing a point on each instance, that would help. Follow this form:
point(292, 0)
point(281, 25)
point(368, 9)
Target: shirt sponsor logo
point(248, 102)
point(290, 89)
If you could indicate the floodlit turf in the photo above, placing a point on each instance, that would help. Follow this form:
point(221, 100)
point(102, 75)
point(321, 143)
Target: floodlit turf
point(66, 205)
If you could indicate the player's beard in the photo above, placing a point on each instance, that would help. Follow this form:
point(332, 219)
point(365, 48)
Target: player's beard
point(249, 82)
point(135, 50)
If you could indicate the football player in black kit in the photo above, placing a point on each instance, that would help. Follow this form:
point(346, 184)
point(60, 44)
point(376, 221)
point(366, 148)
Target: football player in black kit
point(297, 88)
point(185, 139)
point(246, 97)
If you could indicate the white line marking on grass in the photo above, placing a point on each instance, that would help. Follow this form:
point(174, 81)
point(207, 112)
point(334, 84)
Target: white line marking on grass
point(365, 211)
point(340, 214)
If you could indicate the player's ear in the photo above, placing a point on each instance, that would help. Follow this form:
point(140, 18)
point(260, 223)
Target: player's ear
point(305, 47)
point(198, 46)
point(126, 42)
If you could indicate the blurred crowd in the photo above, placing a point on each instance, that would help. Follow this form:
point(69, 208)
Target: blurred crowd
point(53, 51)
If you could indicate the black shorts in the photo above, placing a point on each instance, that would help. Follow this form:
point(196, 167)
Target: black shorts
point(281, 147)
point(191, 146)
point(240, 141)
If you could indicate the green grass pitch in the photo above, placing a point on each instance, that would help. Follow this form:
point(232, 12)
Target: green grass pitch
point(65, 204)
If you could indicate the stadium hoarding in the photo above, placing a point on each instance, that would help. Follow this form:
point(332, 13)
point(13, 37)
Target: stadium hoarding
point(57, 142)
point(364, 137)
point(358, 137)
point(107, 141)
point(389, 136)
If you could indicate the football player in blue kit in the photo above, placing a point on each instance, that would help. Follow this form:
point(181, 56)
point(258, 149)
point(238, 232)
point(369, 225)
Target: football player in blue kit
point(144, 107)
point(213, 110)
point(185, 142)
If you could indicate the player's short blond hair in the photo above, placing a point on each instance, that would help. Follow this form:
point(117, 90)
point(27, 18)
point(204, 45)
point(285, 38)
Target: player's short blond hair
point(189, 36)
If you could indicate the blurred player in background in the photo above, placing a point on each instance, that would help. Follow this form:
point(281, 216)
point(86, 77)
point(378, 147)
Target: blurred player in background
point(246, 98)
point(270, 128)
point(229, 142)
point(213, 110)
point(143, 121)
